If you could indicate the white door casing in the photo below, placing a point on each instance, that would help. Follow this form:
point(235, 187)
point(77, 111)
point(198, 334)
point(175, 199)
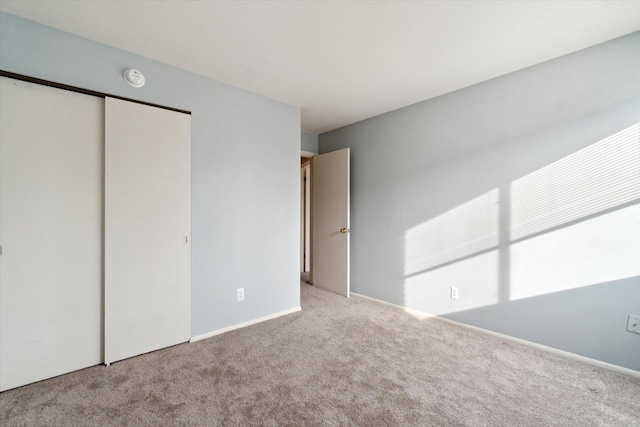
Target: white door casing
point(330, 221)
point(302, 217)
point(307, 219)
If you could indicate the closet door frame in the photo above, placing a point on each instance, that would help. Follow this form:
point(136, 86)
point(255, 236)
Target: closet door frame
point(187, 235)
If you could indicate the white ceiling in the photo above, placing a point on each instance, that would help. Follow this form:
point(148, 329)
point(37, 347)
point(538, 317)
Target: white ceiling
point(342, 61)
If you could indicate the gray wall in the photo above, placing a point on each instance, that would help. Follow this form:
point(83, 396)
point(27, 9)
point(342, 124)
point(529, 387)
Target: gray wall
point(309, 142)
point(438, 169)
point(245, 168)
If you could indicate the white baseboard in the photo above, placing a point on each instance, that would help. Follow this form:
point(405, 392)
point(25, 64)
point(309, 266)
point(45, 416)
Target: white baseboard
point(588, 360)
point(244, 324)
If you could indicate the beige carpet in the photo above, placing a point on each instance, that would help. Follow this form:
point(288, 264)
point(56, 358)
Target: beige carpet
point(338, 362)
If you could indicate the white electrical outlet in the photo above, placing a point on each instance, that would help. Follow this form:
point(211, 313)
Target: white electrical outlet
point(240, 294)
point(454, 292)
point(633, 324)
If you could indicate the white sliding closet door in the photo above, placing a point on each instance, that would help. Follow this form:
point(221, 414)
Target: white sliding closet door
point(147, 229)
point(51, 207)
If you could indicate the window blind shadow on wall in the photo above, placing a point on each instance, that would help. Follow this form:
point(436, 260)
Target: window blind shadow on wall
point(597, 178)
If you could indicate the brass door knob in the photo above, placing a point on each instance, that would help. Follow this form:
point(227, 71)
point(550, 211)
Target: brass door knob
point(345, 230)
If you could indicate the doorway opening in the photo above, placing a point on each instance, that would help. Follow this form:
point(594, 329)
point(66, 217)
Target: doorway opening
point(325, 223)
point(305, 216)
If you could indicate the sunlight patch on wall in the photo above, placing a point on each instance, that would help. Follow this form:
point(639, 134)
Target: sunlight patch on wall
point(460, 232)
point(476, 279)
point(601, 176)
point(598, 250)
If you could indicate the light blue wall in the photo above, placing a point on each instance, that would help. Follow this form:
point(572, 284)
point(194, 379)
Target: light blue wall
point(245, 168)
point(423, 164)
point(309, 142)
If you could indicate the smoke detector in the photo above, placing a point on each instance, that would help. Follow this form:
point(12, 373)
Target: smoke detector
point(134, 77)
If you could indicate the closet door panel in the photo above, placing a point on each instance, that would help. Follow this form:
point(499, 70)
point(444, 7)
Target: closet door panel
point(147, 229)
point(51, 215)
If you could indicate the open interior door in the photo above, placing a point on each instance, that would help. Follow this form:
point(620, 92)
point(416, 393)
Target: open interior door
point(330, 199)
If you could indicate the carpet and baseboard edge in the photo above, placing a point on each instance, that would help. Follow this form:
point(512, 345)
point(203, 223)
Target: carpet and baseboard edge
point(244, 324)
point(567, 354)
